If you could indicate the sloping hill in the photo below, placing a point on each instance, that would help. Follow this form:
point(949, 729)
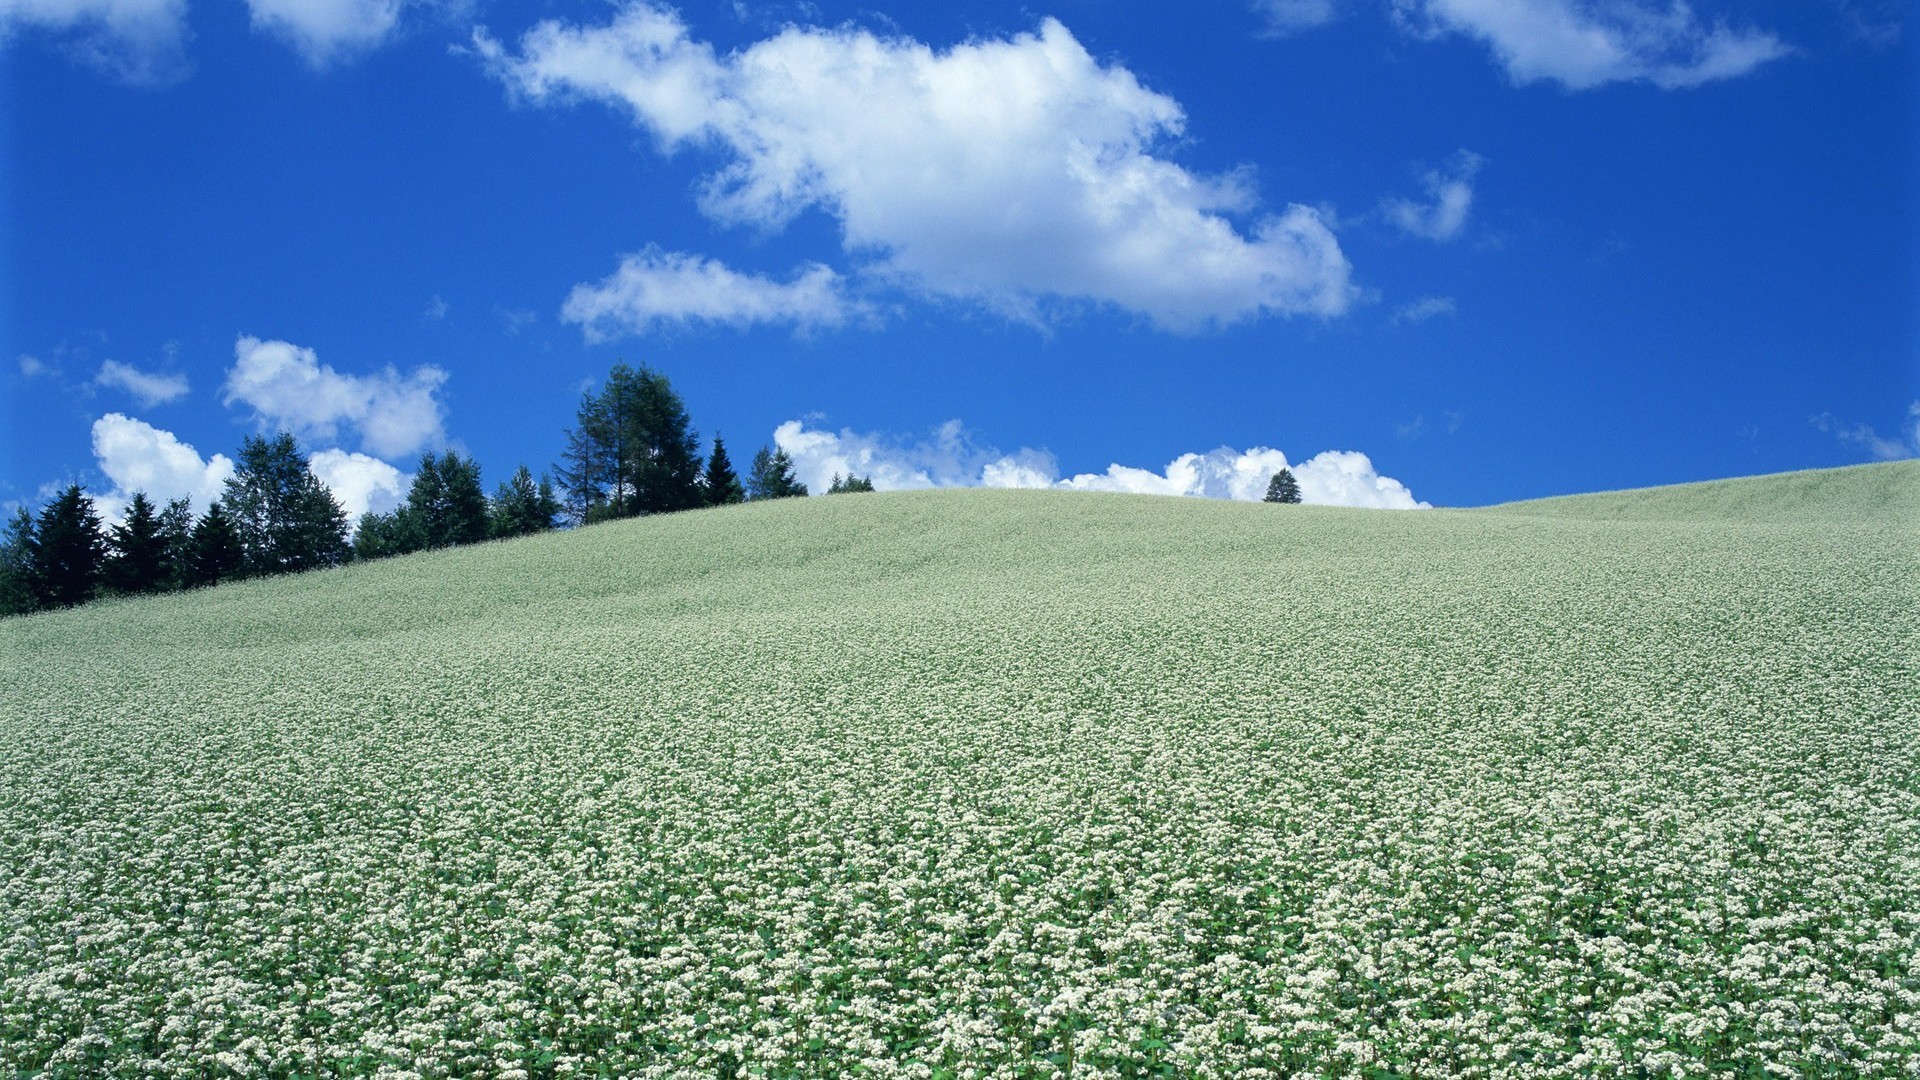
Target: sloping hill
point(995, 783)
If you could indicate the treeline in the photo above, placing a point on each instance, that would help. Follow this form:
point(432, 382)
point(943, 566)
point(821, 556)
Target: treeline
point(632, 451)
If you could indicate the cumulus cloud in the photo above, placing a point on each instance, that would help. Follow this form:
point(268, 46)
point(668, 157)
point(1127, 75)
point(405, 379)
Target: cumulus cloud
point(1019, 174)
point(136, 456)
point(360, 482)
point(1285, 17)
point(657, 289)
point(151, 389)
point(1427, 307)
point(1586, 43)
point(326, 31)
point(138, 41)
point(952, 458)
point(1897, 447)
point(287, 387)
point(1449, 197)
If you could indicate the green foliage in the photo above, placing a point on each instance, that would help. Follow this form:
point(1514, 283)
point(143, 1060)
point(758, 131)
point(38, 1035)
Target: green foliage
point(445, 504)
point(216, 553)
point(771, 476)
point(722, 483)
point(16, 565)
point(66, 552)
point(521, 507)
point(384, 535)
point(1283, 488)
point(176, 541)
point(285, 519)
point(137, 556)
point(994, 783)
point(851, 483)
point(632, 450)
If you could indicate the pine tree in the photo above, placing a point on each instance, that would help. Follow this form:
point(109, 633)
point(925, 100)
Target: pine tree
point(380, 536)
point(632, 450)
point(1283, 488)
point(722, 484)
point(136, 554)
point(851, 483)
point(16, 565)
point(521, 507)
point(285, 518)
point(445, 502)
point(588, 466)
point(216, 553)
point(176, 541)
point(772, 476)
point(67, 552)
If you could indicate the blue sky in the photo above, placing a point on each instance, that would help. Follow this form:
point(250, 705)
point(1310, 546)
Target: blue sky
point(1444, 251)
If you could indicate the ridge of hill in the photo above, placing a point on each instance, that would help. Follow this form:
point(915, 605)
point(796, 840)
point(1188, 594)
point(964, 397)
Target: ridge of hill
point(1887, 491)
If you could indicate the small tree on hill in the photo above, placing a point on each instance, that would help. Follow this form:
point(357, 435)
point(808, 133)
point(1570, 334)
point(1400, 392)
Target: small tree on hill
point(851, 483)
point(216, 554)
point(1283, 488)
point(16, 565)
point(772, 476)
point(520, 506)
point(721, 483)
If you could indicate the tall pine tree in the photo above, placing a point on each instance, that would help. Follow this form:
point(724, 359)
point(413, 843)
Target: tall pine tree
point(632, 450)
point(136, 553)
point(722, 484)
point(445, 503)
point(66, 552)
point(216, 553)
point(176, 540)
point(521, 506)
point(16, 565)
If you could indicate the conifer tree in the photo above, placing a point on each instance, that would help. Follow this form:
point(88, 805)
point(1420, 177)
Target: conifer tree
point(16, 564)
point(722, 484)
point(67, 551)
point(1283, 488)
point(216, 553)
point(772, 476)
point(445, 503)
point(632, 450)
point(521, 506)
point(851, 483)
point(136, 552)
point(176, 541)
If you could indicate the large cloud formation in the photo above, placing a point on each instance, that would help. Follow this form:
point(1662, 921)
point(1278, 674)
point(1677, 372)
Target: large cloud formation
point(287, 387)
point(952, 458)
point(1018, 174)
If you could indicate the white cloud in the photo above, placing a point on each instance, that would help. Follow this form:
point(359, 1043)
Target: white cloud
point(288, 387)
point(1898, 447)
point(360, 482)
point(951, 458)
point(436, 309)
point(324, 31)
point(1450, 197)
point(657, 289)
point(1019, 174)
point(151, 389)
point(1585, 43)
point(1427, 307)
point(139, 41)
point(136, 456)
point(32, 366)
point(1292, 16)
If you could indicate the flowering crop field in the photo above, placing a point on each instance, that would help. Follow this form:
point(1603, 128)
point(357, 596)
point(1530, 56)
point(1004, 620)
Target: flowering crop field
point(995, 784)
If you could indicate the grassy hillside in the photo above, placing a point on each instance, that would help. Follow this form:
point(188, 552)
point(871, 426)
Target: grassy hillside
point(977, 783)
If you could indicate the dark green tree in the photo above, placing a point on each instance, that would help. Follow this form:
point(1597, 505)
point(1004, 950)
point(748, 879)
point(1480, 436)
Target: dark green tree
point(851, 483)
point(632, 450)
point(445, 502)
point(286, 519)
point(16, 565)
point(771, 476)
point(722, 483)
point(136, 553)
point(176, 540)
point(1283, 488)
point(215, 553)
point(381, 536)
point(520, 506)
point(67, 552)
point(588, 466)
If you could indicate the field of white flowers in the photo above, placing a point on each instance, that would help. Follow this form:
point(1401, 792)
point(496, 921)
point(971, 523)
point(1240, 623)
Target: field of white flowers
point(995, 784)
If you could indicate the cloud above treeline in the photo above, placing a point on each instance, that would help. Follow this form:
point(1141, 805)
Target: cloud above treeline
point(1019, 174)
point(951, 457)
point(288, 388)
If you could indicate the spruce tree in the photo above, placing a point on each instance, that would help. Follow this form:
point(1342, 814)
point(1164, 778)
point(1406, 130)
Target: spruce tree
point(632, 450)
point(67, 551)
point(851, 483)
point(216, 553)
point(722, 484)
point(445, 502)
point(380, 536)
point(521, 507)
point(136, 552)
point(1283, 488)
point(772, 476)
point(587, 467)
point(16, 565)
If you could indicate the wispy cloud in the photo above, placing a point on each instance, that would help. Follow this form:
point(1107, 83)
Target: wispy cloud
point(656, 289)
point(142, 42)
point(149, 388)
point(1906, 444)
point(1426, 307)
point(1449, 189)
